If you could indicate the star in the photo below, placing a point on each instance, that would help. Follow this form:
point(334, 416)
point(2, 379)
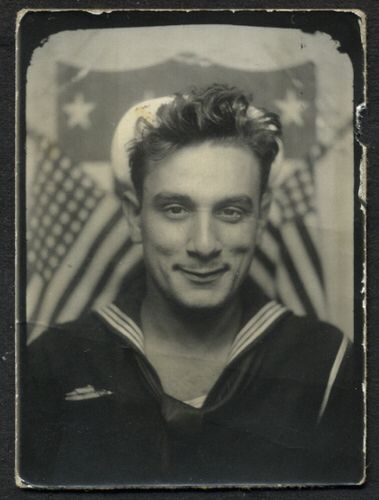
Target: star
point(291, 108)
point(78, 112)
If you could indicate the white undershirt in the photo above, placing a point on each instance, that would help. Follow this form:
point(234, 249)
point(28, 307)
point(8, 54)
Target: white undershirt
point(196, 402)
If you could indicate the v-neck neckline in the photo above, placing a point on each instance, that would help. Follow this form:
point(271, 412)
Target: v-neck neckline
point(127, 328)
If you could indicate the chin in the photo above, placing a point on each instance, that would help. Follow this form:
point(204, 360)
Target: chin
point(201, 302)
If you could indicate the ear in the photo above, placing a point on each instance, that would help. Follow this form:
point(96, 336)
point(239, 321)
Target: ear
point(132, 210)
point(263, 213)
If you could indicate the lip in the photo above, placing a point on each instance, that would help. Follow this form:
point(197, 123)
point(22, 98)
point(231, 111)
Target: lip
point(203, 276)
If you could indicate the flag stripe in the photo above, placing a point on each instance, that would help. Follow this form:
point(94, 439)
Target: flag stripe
point(269, 245)
point(34, 318)
point(33, 294)
point(92, 270)
point(265, 261)
point(72, 262)
point(295, 277)
point(108, 271)
point(125, 267)
point(82, 270)
point(305, 269)
point(298, 283)
point(263, 279)
point(310, 247)
point(286, 291)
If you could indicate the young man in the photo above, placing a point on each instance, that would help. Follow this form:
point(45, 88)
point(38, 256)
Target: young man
point(193, 376)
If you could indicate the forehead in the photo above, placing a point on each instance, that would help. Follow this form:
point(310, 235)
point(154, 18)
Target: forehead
point(206, 171)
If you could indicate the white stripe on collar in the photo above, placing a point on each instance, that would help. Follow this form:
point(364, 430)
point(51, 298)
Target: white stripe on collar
point(253, 329)
point(123, 324)
point(333, 375)
point(258, 324)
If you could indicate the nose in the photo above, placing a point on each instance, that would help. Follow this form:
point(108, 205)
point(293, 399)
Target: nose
point(203, 242)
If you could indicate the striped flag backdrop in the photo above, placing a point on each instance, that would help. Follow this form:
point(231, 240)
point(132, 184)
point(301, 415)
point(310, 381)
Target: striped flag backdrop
point(78, 244)
point(287, 264)
point(79, 252)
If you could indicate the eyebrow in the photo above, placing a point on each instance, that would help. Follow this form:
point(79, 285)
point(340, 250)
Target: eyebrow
point(167, 197)
point(242, 199)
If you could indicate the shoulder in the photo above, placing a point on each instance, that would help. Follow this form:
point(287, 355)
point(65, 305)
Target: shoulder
point(67, 344)
point(85, 328)
point(310, 334)
point(311, 364)
point(308, 347)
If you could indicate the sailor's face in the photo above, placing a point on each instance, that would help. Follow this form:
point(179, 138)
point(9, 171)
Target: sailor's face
point(199, 221)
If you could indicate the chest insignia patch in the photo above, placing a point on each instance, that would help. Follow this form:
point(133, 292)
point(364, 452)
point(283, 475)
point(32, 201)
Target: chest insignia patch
point(87, 392)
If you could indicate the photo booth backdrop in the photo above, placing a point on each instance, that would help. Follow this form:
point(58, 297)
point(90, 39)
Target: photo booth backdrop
point(79, 86)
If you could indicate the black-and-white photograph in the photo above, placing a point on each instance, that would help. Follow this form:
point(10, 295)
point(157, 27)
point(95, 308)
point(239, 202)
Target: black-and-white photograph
point(191, 315)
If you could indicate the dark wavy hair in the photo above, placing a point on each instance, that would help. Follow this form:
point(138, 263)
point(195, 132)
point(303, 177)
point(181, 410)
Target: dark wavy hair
point(217, 113)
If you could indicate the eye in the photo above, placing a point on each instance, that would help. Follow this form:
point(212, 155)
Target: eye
point(230, 214)
point(176, 211)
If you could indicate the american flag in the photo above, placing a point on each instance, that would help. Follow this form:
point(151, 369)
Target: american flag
point(287, 263)
point(79, 251)
point(78, 242)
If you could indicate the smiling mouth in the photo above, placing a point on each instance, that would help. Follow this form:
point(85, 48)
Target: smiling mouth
point(203, 276)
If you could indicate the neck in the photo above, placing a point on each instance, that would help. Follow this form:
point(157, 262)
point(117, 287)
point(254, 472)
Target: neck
point(174, 328)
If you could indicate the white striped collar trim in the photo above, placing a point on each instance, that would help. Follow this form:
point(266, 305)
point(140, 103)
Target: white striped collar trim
point(333, 375)
point(253, 329)
point(123, 324)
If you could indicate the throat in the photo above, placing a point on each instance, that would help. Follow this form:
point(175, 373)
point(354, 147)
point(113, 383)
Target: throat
point(186, 378)
point(189, 351)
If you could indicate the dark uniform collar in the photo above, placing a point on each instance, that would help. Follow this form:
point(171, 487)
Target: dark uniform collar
point(130, 298)
point(124, 314)
point(259, 316)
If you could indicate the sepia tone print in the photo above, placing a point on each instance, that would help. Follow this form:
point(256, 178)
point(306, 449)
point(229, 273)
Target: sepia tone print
point(190, 261)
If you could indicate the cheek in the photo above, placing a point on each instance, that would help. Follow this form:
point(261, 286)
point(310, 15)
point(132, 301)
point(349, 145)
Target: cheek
point(163, 237)
point(240, 238)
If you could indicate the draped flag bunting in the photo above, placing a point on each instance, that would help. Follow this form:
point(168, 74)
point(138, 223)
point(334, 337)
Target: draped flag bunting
point(79, 251)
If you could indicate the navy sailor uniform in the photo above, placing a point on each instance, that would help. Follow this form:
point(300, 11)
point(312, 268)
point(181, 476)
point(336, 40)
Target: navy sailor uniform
point(94, 413)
